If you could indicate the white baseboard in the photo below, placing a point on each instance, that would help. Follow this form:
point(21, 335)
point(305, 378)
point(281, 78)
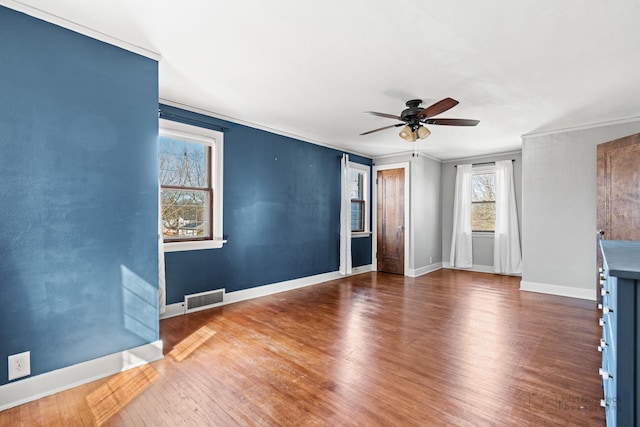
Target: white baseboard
point(361, 269)
point(172, 310)
point(476, 267)
point(565, 291)
point(33, 388)
point(274, 288)
point(177, 309)
point(415, 272)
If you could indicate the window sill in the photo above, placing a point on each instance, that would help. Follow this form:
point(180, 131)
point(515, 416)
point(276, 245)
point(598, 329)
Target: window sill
point(485, 234)
point(193, 246)
point(358, 234)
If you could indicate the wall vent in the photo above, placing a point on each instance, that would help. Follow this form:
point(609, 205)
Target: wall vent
point(203, 300)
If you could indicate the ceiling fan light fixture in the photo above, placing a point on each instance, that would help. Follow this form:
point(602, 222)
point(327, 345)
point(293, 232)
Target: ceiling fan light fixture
point(413, 118)
point(407, 134)
point(423, 132)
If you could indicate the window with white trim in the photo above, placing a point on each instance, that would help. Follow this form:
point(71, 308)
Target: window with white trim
point(190, 173)
point(483, 201)
point(359, 195)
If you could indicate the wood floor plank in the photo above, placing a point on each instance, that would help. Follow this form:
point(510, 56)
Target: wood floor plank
point(450, 348)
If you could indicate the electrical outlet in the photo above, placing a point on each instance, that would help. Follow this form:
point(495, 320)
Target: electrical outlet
point(430, 260)
point(19, 365)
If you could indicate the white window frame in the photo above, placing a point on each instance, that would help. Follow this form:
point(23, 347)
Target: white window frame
point(366, 180)
point(483, 170)
point(215, 140)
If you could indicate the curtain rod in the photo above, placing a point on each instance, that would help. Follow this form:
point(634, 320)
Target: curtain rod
point(190, 121)
point(484, 163)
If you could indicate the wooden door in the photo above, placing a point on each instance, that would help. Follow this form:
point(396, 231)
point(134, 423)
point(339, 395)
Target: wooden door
point(390, 221)
point(619, 189)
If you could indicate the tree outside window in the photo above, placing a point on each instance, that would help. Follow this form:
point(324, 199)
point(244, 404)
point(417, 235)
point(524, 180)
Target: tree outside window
point(483, 202)
point(186, 192)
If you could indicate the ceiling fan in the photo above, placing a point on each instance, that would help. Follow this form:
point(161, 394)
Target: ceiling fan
point(414, 117)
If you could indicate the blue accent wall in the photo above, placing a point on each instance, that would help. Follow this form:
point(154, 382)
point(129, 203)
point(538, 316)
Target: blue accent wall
point(281, 213)
point(78, 196)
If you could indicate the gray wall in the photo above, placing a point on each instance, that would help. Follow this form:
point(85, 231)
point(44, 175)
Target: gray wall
point(559, 205)
point(482, 244)
point(424, 213)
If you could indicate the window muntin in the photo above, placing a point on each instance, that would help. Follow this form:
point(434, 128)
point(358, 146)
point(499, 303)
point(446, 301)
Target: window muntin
point(483, 201)
point(191, 179)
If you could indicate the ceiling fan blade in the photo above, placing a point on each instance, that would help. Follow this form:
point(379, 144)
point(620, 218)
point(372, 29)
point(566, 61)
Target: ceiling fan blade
point(389, 116)
point(451, 122)
point(437, 108)
point(386, 127)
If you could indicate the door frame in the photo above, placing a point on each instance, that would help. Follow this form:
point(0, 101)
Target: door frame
point(374, 212)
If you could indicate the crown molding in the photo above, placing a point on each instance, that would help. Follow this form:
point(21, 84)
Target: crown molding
point(79, 28)
point(257, 126)
point(408, 153)
point(581, 127)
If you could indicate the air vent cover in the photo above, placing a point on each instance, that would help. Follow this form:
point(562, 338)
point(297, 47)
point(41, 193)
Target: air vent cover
point(203, 300)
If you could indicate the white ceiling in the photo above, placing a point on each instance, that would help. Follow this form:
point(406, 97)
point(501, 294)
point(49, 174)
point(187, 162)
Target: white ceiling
point(310, 69)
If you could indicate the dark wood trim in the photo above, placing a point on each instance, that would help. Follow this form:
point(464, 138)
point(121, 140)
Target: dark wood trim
point(179, 188)
point(209, 167)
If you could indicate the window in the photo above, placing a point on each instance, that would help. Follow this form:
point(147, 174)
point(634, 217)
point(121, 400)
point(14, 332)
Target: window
point(359, 194)
point(190, 173)
point(186, 192)
point(483, 201)
point(356, 192)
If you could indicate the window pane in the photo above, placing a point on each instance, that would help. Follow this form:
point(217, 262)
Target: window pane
point(483, 187)
point(182, 163)
point(483, 216)
point(357, 216)
point(185, 214)
point(483, 206)
point(355, 185)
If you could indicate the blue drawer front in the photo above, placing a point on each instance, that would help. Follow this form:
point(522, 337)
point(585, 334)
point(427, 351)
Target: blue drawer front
point(609, 351)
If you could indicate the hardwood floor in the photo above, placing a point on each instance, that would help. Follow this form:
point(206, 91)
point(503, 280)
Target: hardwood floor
point(449, 348)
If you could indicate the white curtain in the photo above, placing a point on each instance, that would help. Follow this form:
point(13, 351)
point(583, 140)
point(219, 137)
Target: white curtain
point(507, 256)
point(461, 254)
point(345, 218)
point(162, 285)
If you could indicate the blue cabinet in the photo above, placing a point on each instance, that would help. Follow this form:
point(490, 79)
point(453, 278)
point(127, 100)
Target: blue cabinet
point(620, 322)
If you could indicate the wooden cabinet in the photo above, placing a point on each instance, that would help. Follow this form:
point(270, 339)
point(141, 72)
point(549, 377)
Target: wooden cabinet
point(620, 322)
